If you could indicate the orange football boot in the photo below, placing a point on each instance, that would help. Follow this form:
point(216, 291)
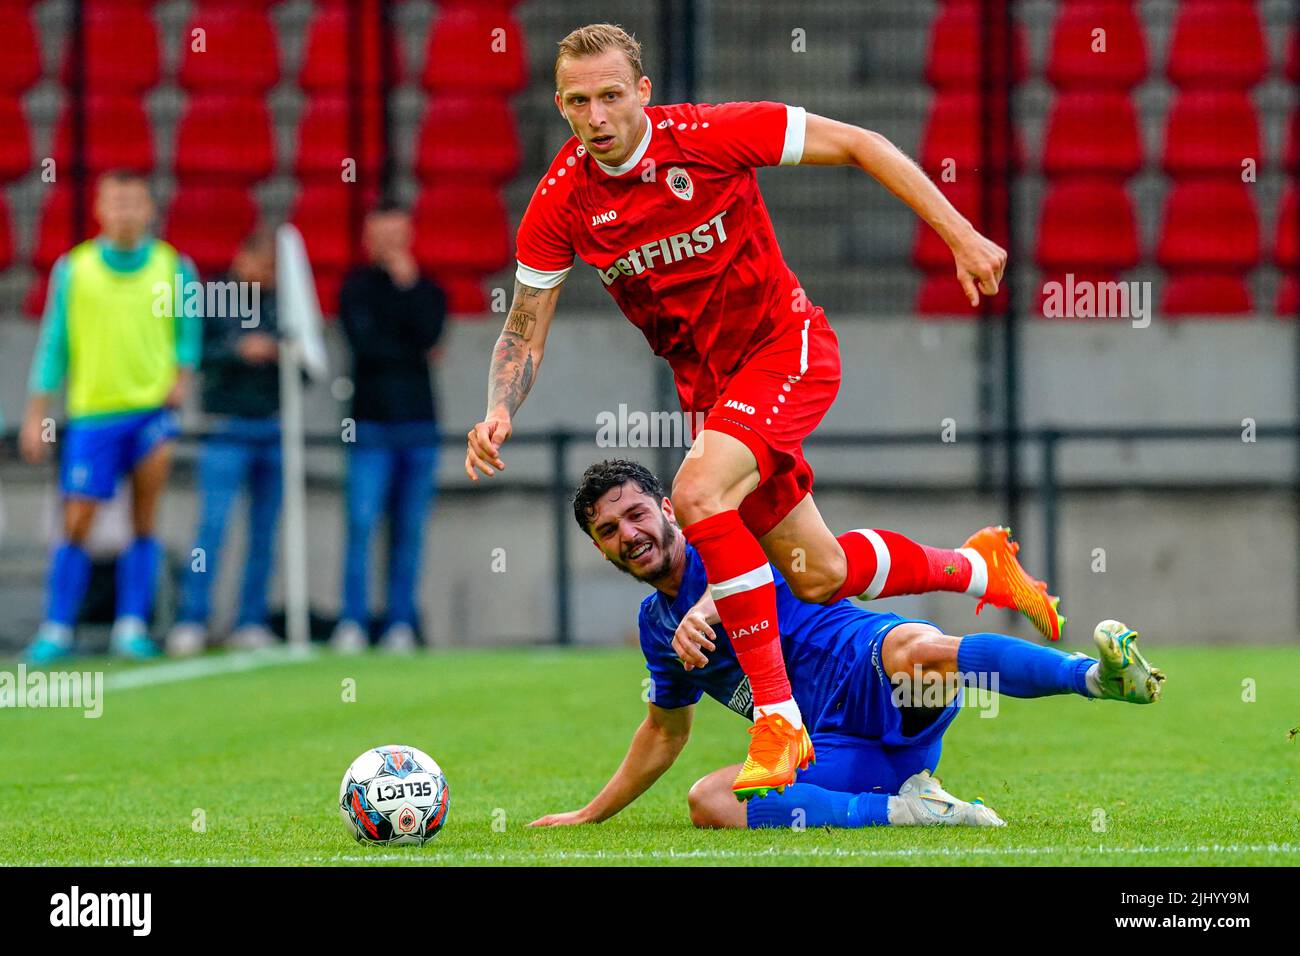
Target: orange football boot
point(1010, 587)
point(776, 752)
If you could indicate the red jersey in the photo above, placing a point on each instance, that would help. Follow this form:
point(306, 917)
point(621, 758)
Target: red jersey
point(679, 235)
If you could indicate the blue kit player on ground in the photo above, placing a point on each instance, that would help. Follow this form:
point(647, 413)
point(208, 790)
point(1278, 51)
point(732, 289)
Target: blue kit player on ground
point(878, 690)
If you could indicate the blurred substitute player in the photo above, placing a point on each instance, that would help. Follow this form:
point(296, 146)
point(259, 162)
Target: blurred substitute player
point(663, 201)
point(878, 691)
point(111, 331)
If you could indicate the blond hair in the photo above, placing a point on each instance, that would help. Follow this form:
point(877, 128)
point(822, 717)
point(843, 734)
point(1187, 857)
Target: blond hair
point(596, 38)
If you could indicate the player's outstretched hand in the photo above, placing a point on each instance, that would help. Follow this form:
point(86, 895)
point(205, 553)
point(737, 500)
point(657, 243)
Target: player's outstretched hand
point(484, 452)
point(693, 633)
point(572, 818)
point(980, 263)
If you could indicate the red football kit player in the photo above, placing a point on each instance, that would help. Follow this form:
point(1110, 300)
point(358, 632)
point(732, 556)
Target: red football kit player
point(663, 202)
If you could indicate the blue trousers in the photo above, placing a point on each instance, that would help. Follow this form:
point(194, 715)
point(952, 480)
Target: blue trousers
point(390, 474)
point(245, 454)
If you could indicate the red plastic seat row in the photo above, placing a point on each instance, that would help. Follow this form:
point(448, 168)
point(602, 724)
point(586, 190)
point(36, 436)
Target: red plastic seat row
point(470, 135)
point(475, 48)
point(958, 55)
point(20, 66)
point(1218, 43)
point(956, 136)
point(236, 51)
point(120, 49)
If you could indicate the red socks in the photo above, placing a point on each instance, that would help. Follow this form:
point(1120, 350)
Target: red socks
point(741, 582)
point(885, 563)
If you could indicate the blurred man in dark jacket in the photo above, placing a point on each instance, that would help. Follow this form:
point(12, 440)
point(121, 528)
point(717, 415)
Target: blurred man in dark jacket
point(393, 318)
point(241, 399)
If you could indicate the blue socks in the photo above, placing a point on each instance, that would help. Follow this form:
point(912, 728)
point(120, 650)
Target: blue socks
point(65, 586)
point(1023, 669)
point(807, 805)
point(137, 578)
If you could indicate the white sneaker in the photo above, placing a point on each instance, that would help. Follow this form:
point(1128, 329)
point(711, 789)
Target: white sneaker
point(186, 639)
point(251, 637)
point(399, 639)
point(921, 801)
point(349, 637)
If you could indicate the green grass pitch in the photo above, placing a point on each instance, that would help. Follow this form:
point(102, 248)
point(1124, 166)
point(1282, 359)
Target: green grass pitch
point(1202, 778)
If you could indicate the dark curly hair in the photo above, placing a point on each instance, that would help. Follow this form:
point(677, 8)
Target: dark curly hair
point(604, 475)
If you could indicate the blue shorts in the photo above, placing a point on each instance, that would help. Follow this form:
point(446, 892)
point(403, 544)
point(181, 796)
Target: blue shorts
point(860, 743)
point(97, 453)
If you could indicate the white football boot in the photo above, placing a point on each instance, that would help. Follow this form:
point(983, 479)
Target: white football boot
point(349, 637)
point(921, 801)
point(186, 639)
point(1123, 673)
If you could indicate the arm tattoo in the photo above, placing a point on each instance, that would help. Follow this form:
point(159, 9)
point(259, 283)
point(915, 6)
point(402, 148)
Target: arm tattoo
point(513, 367)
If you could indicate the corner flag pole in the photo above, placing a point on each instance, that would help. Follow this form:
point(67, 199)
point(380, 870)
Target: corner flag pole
point(302, 349)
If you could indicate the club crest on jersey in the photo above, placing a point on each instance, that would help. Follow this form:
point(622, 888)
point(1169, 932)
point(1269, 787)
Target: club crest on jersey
point(679, 181)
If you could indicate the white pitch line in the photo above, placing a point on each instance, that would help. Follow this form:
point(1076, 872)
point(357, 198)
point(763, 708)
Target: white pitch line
point(417, 857)
point(176, 671)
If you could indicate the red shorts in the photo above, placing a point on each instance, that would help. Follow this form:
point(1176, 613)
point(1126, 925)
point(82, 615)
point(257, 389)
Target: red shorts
point(772, 404)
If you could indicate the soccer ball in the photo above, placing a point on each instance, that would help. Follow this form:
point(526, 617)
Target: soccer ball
point(394, 795)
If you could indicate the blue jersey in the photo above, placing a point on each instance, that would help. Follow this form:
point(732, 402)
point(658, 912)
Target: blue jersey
point(832, 652)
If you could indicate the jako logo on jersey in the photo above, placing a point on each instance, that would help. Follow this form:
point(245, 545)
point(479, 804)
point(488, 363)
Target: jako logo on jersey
point(603, 217)
point(742, 631)
point(679, 181)
point(673, 248)
point(741, 406)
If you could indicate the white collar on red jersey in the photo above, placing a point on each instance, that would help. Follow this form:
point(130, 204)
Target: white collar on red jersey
point(636, 153)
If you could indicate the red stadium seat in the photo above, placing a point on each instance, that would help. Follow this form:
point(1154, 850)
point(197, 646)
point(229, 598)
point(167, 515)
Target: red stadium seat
point(225, 136)
point(929, 251)
point(1287, 304)
point(1072, 144)
point(1210, 237)
point(461, 226)
point(329, 217)
point(239, 54)
point(1286, 253)
point(464, 292)
point(1087, 224)
point(20, 66)
point(15, 140)
point(955, 131)
point(57, 232)
point(116, 134)
point(1206, 293)
point(325, 136)
point(956, 57)
point(1209, 224)
point(6, 236)
point(121, 50)
point(1210, 131)
point(468, 134)
point(1292, 67)
point(34, 297)
point(1217, 44)
point(333, 53)
point(329, 282)
point(1075, 60)
point(479, 49)
point(207, 223)
point(941, 297)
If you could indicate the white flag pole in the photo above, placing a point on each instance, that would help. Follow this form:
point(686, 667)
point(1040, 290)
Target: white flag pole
point(302, 348)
